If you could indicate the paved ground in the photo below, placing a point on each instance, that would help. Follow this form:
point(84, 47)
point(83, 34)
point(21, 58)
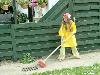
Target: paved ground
point(10, 68)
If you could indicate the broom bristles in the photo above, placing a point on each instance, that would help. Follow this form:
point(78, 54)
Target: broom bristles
point(41, 63)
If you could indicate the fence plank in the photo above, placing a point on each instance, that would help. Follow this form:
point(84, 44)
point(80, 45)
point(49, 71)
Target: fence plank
point(36, 39)
point(5, 46)
point(36, 32)
point(7, 38)
point(38, 46)
point(6, 54)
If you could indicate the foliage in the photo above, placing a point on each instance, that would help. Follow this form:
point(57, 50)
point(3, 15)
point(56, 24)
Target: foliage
point(90, 70)
point(21, 18)
point(8, 2)
point(26, 58)
point(23, 3)
point(41, 1)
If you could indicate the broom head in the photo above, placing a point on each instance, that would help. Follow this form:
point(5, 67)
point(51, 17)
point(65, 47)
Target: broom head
point(41, 63)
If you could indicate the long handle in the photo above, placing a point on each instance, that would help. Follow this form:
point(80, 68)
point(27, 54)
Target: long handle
point(52, 52)
point(57, 48)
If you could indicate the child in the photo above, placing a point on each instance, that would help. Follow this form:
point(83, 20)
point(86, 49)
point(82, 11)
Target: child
point(67, 30)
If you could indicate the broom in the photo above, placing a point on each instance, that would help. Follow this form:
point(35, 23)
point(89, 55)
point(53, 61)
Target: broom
point(41, 62)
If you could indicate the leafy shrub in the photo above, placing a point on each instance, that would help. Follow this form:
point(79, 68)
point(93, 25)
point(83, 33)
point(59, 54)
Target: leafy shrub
point(26, 58)
point(21, 18)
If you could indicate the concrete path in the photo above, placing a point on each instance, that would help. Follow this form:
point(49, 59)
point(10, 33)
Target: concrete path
point(10, 68)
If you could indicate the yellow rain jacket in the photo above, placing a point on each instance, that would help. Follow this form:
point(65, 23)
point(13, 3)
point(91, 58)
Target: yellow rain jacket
point(65, 33)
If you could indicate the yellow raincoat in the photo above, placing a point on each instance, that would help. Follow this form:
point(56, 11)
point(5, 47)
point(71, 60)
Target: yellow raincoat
point(71, 42)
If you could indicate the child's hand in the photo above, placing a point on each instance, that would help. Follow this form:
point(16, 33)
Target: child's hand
point(72, 33)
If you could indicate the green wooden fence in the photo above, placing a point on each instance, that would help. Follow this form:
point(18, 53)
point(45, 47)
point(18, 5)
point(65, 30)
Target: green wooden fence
point(38, 38)
point(41, 38)
point(5, 40)
point(87, 13)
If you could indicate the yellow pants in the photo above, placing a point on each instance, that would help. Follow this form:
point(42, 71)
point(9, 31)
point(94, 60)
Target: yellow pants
point(74, 51)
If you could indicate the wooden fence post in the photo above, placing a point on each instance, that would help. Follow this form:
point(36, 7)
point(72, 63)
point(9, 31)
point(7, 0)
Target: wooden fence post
point(13, 43)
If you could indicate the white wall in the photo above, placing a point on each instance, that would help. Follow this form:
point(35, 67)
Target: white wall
point(51, 3)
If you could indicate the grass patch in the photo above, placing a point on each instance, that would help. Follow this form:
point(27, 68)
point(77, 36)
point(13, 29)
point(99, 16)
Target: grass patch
point(89, 70)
